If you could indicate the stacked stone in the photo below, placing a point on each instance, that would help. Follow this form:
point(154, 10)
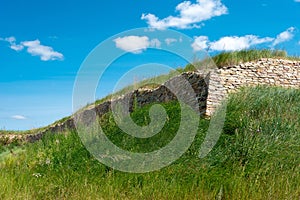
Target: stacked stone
point(216, 92)
point(272, 72)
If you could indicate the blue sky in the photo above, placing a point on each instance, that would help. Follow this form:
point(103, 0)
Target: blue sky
point(44, 43)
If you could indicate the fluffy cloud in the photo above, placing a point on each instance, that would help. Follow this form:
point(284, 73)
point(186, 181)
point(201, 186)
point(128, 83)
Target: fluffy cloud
point(16, 47)
point(136, 44)
point(10, 39)
point(200, 43)
point(133, 44)
point(190, 15)
point(297, 0)
point(284, 36)
point(45, 52)
point(18, 117)
point(238, 43)
point(13, 45)
point(234, 43)
point(228, 43)
point(35, 48)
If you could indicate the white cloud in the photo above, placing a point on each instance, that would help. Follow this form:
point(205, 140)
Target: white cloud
point(233, 43)
point(229, 43)
point(190, 15)
point(35, 48)
point(200, 43)
point(45, 52)
point(18, 117)
point(13, 45)
point(297, 0)
point(169, 41)
point(284, 36)
point(10, 39)
point(133, 44)
point(136, 44)
point(17, 47)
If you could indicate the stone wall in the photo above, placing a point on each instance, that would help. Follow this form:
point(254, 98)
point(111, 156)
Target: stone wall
point(271, 72)
point(210, 89)
point(163, 94)
point(142, 97)
point(139, 97)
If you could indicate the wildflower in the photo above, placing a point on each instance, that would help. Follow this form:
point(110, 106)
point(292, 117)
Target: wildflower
point(258, 130)
point(48, 161)
point(37, 175)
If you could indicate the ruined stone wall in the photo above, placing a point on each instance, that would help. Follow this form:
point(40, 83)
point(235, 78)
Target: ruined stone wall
point(163, 94)
point(141, 97)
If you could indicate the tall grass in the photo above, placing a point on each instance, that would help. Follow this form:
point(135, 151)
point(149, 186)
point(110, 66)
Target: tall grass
point(242, 56)
point(256, 157)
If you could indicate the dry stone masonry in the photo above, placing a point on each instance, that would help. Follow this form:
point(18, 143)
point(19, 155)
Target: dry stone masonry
point(271, 72)
point(210, 88)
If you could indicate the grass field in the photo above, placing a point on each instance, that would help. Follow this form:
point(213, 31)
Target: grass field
point(256, 157)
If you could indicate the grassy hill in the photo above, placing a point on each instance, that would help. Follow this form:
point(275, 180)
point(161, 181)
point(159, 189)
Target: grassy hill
point(256, 157)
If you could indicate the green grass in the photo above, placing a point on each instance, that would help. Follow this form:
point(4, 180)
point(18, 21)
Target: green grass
point(237, 57)
point(150, 83)
point(9, 132)
point(256, 157)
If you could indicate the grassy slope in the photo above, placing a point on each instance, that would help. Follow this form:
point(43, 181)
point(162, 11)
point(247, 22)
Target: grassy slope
point(257, 157)
point(237, 57)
